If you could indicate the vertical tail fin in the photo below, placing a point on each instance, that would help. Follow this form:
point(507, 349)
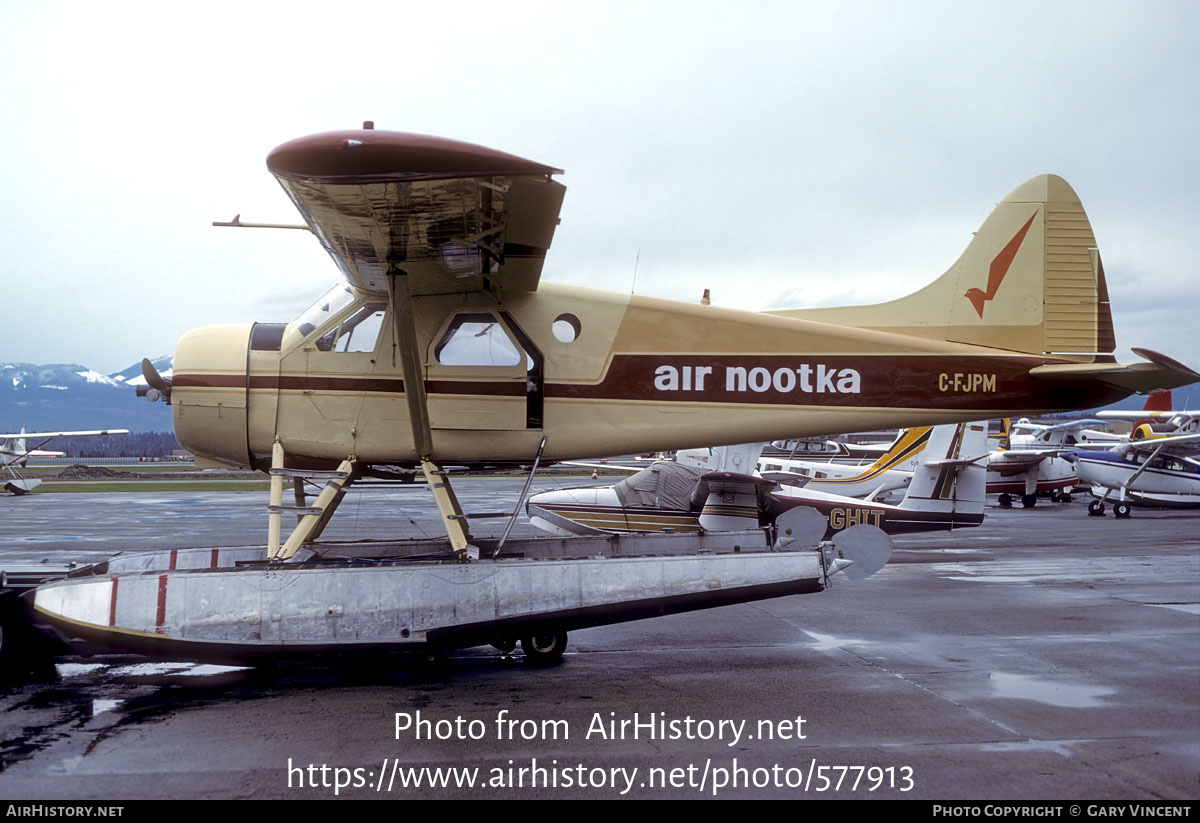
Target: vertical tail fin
point(950, 479)
point(1029, 281)
point(904, 453)
point(1158, 401)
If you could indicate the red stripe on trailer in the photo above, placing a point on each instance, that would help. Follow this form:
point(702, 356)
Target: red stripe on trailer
point(112, 603)
point(161, 615)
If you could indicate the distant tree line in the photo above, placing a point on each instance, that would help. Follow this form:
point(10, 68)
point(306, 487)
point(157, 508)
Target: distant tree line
point(136, 444)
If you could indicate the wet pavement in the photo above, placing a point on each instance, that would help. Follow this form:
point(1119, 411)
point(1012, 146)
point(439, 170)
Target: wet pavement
point(1044, 654)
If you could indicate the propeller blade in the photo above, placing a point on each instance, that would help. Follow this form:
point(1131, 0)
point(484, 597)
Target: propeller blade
point(156, 380)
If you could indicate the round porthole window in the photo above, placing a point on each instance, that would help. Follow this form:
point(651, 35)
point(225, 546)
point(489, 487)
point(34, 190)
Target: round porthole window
point(566, 328)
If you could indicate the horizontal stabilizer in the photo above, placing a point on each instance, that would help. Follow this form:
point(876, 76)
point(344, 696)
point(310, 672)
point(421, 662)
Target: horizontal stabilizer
point(1160, 373)
point(936, 464)
point(1178, 444)
point(786, 478)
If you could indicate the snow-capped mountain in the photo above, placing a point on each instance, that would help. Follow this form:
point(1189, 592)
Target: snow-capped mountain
point(132, 376)
point(63, 396)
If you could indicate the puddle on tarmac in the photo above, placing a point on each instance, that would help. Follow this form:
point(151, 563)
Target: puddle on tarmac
point(1066, 695)
point(66, 670)
point(176, 669)
point(1187, 608)
point(1062, 747)
point(827, 642)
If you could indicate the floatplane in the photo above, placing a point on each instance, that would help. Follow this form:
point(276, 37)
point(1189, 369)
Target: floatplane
point(441, 346)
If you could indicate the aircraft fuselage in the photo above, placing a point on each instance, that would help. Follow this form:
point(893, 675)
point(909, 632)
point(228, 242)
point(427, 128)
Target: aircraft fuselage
point(639, 374)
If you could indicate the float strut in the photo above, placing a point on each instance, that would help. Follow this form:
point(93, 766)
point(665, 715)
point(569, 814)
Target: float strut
point(453, 519)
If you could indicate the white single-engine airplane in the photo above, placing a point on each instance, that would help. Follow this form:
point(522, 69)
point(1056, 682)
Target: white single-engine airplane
point(442, 346)
point(1028, 462)
point(1159, 472)
point(14, 454)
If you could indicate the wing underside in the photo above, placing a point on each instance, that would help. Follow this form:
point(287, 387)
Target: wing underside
point(452, 216)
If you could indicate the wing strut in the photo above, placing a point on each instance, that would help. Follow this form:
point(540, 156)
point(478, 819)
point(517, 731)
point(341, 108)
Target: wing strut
point(405, 340)
point(1124, 490)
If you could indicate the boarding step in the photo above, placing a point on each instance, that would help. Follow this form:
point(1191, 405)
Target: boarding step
point(309, 474)
point(300, 510)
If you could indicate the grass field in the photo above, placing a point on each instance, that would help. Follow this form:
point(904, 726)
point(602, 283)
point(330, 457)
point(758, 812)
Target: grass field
point(68, 486)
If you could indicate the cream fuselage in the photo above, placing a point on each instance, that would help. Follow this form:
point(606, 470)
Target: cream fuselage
point(640, 374)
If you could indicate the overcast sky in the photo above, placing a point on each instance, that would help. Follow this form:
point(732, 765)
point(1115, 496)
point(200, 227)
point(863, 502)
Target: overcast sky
point(781, 154)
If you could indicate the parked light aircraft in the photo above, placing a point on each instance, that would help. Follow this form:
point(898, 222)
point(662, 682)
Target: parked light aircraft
point(890, 471)
point(1106, 439)
point(14, 454)
point(1159, 472)
point(443, 346)
point(946, 492)
point(1155, 424)
point(1028, 461)
point(1153, 466)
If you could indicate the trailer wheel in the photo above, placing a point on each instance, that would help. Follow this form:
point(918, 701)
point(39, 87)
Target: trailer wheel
point(504, 644)
point(16, 648)
point(544, 647)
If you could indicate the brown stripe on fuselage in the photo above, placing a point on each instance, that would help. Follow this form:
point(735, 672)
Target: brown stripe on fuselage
point(891, 381)
point(356, 384)
point(885, 381)
point(893, 520)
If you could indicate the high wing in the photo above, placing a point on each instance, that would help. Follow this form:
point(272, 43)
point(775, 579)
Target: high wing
point(1057, 427)
point(1117, 414)
point(63, 434)
point(453, 216)
point(1183, 421)
point(1179, 445)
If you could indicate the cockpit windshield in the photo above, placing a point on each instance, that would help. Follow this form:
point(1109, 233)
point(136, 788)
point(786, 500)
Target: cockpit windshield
point(329, 304)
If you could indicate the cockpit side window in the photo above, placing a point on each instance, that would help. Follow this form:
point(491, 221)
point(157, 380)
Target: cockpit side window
point(359, 332)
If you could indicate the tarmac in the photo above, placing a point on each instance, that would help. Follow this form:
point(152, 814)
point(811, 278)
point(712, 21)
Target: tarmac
point(1043, 655)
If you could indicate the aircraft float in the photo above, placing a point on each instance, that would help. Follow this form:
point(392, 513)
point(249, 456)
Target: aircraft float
point(442, 346)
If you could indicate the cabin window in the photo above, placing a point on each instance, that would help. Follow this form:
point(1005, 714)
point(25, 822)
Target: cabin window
point(476, 340)
point(566, 328)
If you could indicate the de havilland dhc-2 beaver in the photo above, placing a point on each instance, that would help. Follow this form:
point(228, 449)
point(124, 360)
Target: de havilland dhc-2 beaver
point(443, 347)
